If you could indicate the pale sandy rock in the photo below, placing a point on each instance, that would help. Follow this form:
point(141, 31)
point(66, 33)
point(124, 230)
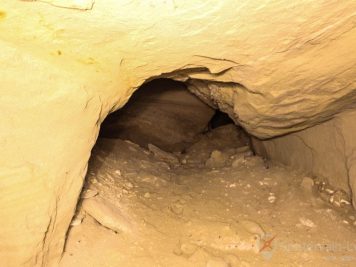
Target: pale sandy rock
point(216, 140)
point(88, 193)
point(107, 214)
point(326, 150)
point(217, 159)
point(307, 184)
point(163, 155)
point(72, 4)
point(217, 263)
point(64, 70)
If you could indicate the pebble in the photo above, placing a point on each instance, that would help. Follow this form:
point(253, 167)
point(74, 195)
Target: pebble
point(76, 221)
point(243, 149)
point(306, 222)
point(147, 195)
point(307, 184)
point(238, 162)
point(163, 155)
point(217, 159)
point(188, 249)
point(129, 185)
point(177, 208)
point(339, 198)
point(272, 199)
point(329, 191)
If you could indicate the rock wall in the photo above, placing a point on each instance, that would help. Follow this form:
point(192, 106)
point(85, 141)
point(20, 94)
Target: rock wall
point(276, 67)
point(327, 150)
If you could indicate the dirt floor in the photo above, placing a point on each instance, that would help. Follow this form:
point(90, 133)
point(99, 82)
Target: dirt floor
point(214, 205)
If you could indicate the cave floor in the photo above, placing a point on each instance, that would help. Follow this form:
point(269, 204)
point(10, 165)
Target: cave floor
point(146, 207)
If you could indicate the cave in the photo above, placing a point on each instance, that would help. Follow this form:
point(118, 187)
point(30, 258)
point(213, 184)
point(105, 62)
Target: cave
point(177, 133)
point(174, 181)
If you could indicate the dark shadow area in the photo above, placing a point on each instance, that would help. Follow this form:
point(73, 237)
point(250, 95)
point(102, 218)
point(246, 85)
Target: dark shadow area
point(161, 112)
point(219, 119)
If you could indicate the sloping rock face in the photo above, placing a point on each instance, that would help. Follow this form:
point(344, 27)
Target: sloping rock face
point(327, 150)
point(276, 67)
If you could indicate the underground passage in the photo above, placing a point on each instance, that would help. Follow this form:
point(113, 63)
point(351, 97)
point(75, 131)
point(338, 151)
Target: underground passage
point(174, 182)
point(177, 133)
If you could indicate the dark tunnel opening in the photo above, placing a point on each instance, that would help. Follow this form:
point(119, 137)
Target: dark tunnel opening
point(171, 178)
point(164, 113)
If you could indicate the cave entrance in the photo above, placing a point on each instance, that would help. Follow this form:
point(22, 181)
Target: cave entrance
point(164, 113)
point(173, 182)
point(153, 157)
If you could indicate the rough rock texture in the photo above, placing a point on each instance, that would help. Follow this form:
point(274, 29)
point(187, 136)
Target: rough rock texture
point(282, 65)
point(327, 150)
point(191, 215)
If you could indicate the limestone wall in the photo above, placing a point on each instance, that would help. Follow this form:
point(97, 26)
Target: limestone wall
point(327, 150)
point(276, 66)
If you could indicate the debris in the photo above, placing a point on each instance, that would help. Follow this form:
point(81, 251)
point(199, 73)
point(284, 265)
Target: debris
point(307, 184)
point(217, 159)
point(129, 185)
point(124, 191)
point(272, 198)
point(163, 155)
point(329, 191)
point(238, 161)
point(88, 193)
point(177, 208)
point(262, 183)
point(77, 220)
point(339, 198)
point(224, 206)
point(306, 222)
point(107, 214)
